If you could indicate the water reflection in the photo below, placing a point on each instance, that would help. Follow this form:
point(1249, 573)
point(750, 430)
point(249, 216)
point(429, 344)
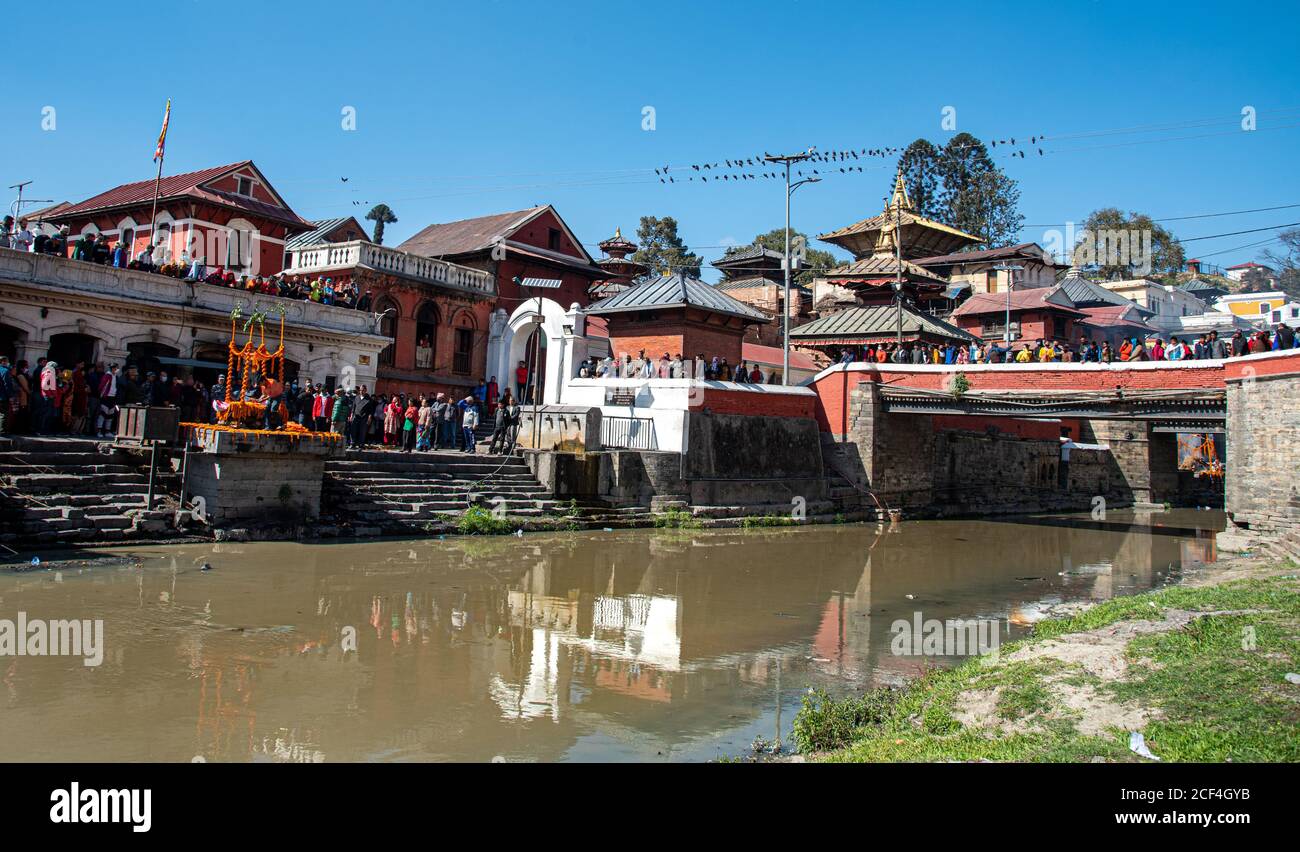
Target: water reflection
point(637, 645)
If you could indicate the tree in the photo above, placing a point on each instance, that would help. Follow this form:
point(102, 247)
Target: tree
point(381, 215)
point(1287, 262)
point(920, 167)
point(815, 261)
point(663, 250)
point(989, 208)
point(1120, 245)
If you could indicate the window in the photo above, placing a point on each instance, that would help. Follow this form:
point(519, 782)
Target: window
point(1264, 308)
point(464, 350)
point(238, 248)
point(553, 239)
point(1295, 312)
point(387, 311)
point(244, 186)
point(991, 281)
point(1277, 316)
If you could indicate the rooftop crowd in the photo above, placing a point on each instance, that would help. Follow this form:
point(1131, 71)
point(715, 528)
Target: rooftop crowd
point(96, 248)
point(1206, 346)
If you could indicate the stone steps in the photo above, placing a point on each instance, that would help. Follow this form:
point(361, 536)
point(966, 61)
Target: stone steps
point(65, 490)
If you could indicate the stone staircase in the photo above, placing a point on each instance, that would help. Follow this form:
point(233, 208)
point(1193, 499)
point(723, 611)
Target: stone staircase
point(380, 492)
point(70, 490)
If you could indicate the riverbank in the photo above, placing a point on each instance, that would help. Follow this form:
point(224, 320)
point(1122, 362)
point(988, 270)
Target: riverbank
point(1200, 670)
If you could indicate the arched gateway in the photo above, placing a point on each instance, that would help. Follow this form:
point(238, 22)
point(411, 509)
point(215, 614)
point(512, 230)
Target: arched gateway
point(538, 329)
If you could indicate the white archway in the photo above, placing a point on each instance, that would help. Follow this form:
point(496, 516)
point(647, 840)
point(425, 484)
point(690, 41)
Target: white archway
point(508, 339)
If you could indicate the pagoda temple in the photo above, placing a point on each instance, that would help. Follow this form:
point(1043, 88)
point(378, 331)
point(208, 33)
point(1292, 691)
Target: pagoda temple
point(884, 248)
point(621, 269)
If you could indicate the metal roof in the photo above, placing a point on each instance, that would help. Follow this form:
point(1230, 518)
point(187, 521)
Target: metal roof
point(675, 291)
point(871, 322)
point(320, 230)
point(1085, 293)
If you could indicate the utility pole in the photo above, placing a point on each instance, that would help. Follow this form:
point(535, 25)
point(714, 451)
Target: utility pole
point(786, 160)
point(1010, 270)
point(898, 265)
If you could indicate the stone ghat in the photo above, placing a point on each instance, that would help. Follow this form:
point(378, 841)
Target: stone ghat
point(73, 491)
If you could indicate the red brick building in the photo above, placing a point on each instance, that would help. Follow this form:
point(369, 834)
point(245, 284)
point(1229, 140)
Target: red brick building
point(436, 313)
point(532, 243)
point(1045, 313)
point(679, 315)
point(231, 216)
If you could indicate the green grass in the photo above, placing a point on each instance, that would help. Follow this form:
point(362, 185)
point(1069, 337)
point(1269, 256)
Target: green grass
point(677, 519)
point(758, 521)
point(479, 521)
point(1215, 699)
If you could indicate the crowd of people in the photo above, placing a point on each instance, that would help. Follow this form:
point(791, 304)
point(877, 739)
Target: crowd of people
point(83, 400)
point(675, 367)
point(49, 399)
point(1205, 346)
point(96, 248)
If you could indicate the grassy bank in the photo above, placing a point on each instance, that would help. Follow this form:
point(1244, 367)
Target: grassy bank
point(1200, 670)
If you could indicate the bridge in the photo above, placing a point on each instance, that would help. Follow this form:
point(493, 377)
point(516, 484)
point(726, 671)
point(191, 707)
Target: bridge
point(959, 436)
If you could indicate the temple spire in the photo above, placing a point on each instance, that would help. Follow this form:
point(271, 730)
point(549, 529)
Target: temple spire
point(900, 198)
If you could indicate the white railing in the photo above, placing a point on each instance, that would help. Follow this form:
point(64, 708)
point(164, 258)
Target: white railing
point(330, 256)
point(628, 433)
point(53, 273)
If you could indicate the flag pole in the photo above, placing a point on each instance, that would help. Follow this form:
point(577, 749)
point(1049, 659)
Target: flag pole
point(153, 217)
point(159, 154)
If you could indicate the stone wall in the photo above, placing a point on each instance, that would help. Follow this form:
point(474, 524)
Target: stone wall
point(1263, 445)
point(909, 463)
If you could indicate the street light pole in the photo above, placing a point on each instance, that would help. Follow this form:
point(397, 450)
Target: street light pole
point(786, 160)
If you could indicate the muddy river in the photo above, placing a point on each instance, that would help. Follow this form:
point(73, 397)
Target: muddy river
point(593, 646)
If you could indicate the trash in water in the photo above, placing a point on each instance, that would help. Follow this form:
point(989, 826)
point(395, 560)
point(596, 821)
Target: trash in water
point(36, 560)
point(1292, 677)
point(1138, 745)
point(609, 529)
point(519, 533)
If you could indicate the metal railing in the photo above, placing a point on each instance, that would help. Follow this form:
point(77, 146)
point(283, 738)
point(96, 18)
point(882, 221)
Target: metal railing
point(628, 433)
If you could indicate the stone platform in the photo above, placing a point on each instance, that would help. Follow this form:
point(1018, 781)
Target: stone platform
point(260, 478)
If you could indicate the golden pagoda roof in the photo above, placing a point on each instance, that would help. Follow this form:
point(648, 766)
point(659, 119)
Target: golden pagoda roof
point(922, 237)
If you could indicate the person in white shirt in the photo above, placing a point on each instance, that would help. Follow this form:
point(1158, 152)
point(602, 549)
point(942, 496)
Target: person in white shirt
point(23, 238)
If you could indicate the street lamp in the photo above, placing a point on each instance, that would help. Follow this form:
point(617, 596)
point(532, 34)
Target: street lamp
point(1010, 269)
point(786, 160)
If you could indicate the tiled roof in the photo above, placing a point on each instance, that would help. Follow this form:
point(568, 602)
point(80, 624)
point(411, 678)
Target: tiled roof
point(1036, 298)
point(44, 213)
point(1114, 316)
point(750, 252)
point(874, 322)
point(1029, 251)
point(189, 184)
point(886, 220)
point(466, 235)
point(675, 291)
point(881, 266)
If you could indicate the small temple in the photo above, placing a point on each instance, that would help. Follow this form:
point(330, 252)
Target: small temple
point(622, 271)
point(884, 249)
point(677, 315)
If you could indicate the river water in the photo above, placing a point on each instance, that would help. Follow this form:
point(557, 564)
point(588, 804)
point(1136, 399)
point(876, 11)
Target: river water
point(632, 645)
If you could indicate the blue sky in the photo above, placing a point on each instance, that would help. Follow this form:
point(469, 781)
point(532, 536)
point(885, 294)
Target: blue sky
point(472, 108)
